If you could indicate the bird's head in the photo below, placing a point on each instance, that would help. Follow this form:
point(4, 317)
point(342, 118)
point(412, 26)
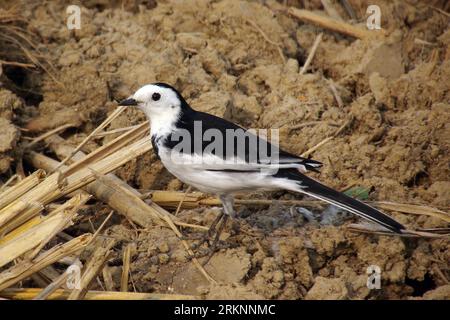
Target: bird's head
point(157, 100)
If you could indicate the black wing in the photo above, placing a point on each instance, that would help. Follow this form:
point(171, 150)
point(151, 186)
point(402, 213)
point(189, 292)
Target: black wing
point(242, 144)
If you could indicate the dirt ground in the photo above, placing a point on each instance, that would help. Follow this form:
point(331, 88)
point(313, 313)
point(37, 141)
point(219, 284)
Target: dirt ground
point(242, 60)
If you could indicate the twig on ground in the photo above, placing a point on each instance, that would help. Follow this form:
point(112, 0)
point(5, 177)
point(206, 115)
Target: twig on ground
point(182, 200)
point(52, 287)
point(311, 53)
point(333, 25)
point(439, 272)
point(102, 225)
point(48, 134)
point(335, 92)
point(324, 141)
point(9, 181)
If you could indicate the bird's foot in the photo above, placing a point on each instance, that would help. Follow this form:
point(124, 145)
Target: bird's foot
point(209, 251)
point(216, 229)
point(206, 237)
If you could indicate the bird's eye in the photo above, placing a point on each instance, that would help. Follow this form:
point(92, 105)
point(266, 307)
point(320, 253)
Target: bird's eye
point(156, 96)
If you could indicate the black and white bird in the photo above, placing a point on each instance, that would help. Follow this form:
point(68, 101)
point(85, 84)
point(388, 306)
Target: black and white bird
point(205, 163)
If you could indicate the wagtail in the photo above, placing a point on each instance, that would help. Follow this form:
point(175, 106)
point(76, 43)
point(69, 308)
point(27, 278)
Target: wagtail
point(219, 157)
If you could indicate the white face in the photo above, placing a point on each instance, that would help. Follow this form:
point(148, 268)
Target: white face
point(161, 105)
point(157, 101)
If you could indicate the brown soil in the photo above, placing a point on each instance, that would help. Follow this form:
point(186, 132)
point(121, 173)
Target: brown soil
point(398, 145)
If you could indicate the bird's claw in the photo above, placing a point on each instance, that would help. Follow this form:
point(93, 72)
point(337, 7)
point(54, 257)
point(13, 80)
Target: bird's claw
point(209, 251)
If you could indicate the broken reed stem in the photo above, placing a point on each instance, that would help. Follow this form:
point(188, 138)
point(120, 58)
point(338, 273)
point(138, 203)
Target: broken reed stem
point(49, 273)
point(60, 294)
point(23, 186)
point(33, 202)
point(16, 64)
point(39, 235)
point(51, 188)
point(24, 269)
point(100, 153)
point(93, 267)
point(333, 25)
point(171, 199)
point(312, 53)
point(107, 121)
point(126, 267)
point(112, 190)
point(68, 215)
point(13, 210)
point(21, 229)
point(111, 162)
point(109, 190)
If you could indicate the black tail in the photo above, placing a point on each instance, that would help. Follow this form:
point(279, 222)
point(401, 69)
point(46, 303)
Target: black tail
point(315, 189)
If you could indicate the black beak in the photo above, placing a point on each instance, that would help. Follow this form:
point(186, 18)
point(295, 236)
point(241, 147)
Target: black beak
point(128, 102)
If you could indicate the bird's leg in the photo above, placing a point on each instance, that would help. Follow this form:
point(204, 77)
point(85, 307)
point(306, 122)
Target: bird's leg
point(216, 228)
point(213, 247)
point(213, 225)
point(227, 202)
